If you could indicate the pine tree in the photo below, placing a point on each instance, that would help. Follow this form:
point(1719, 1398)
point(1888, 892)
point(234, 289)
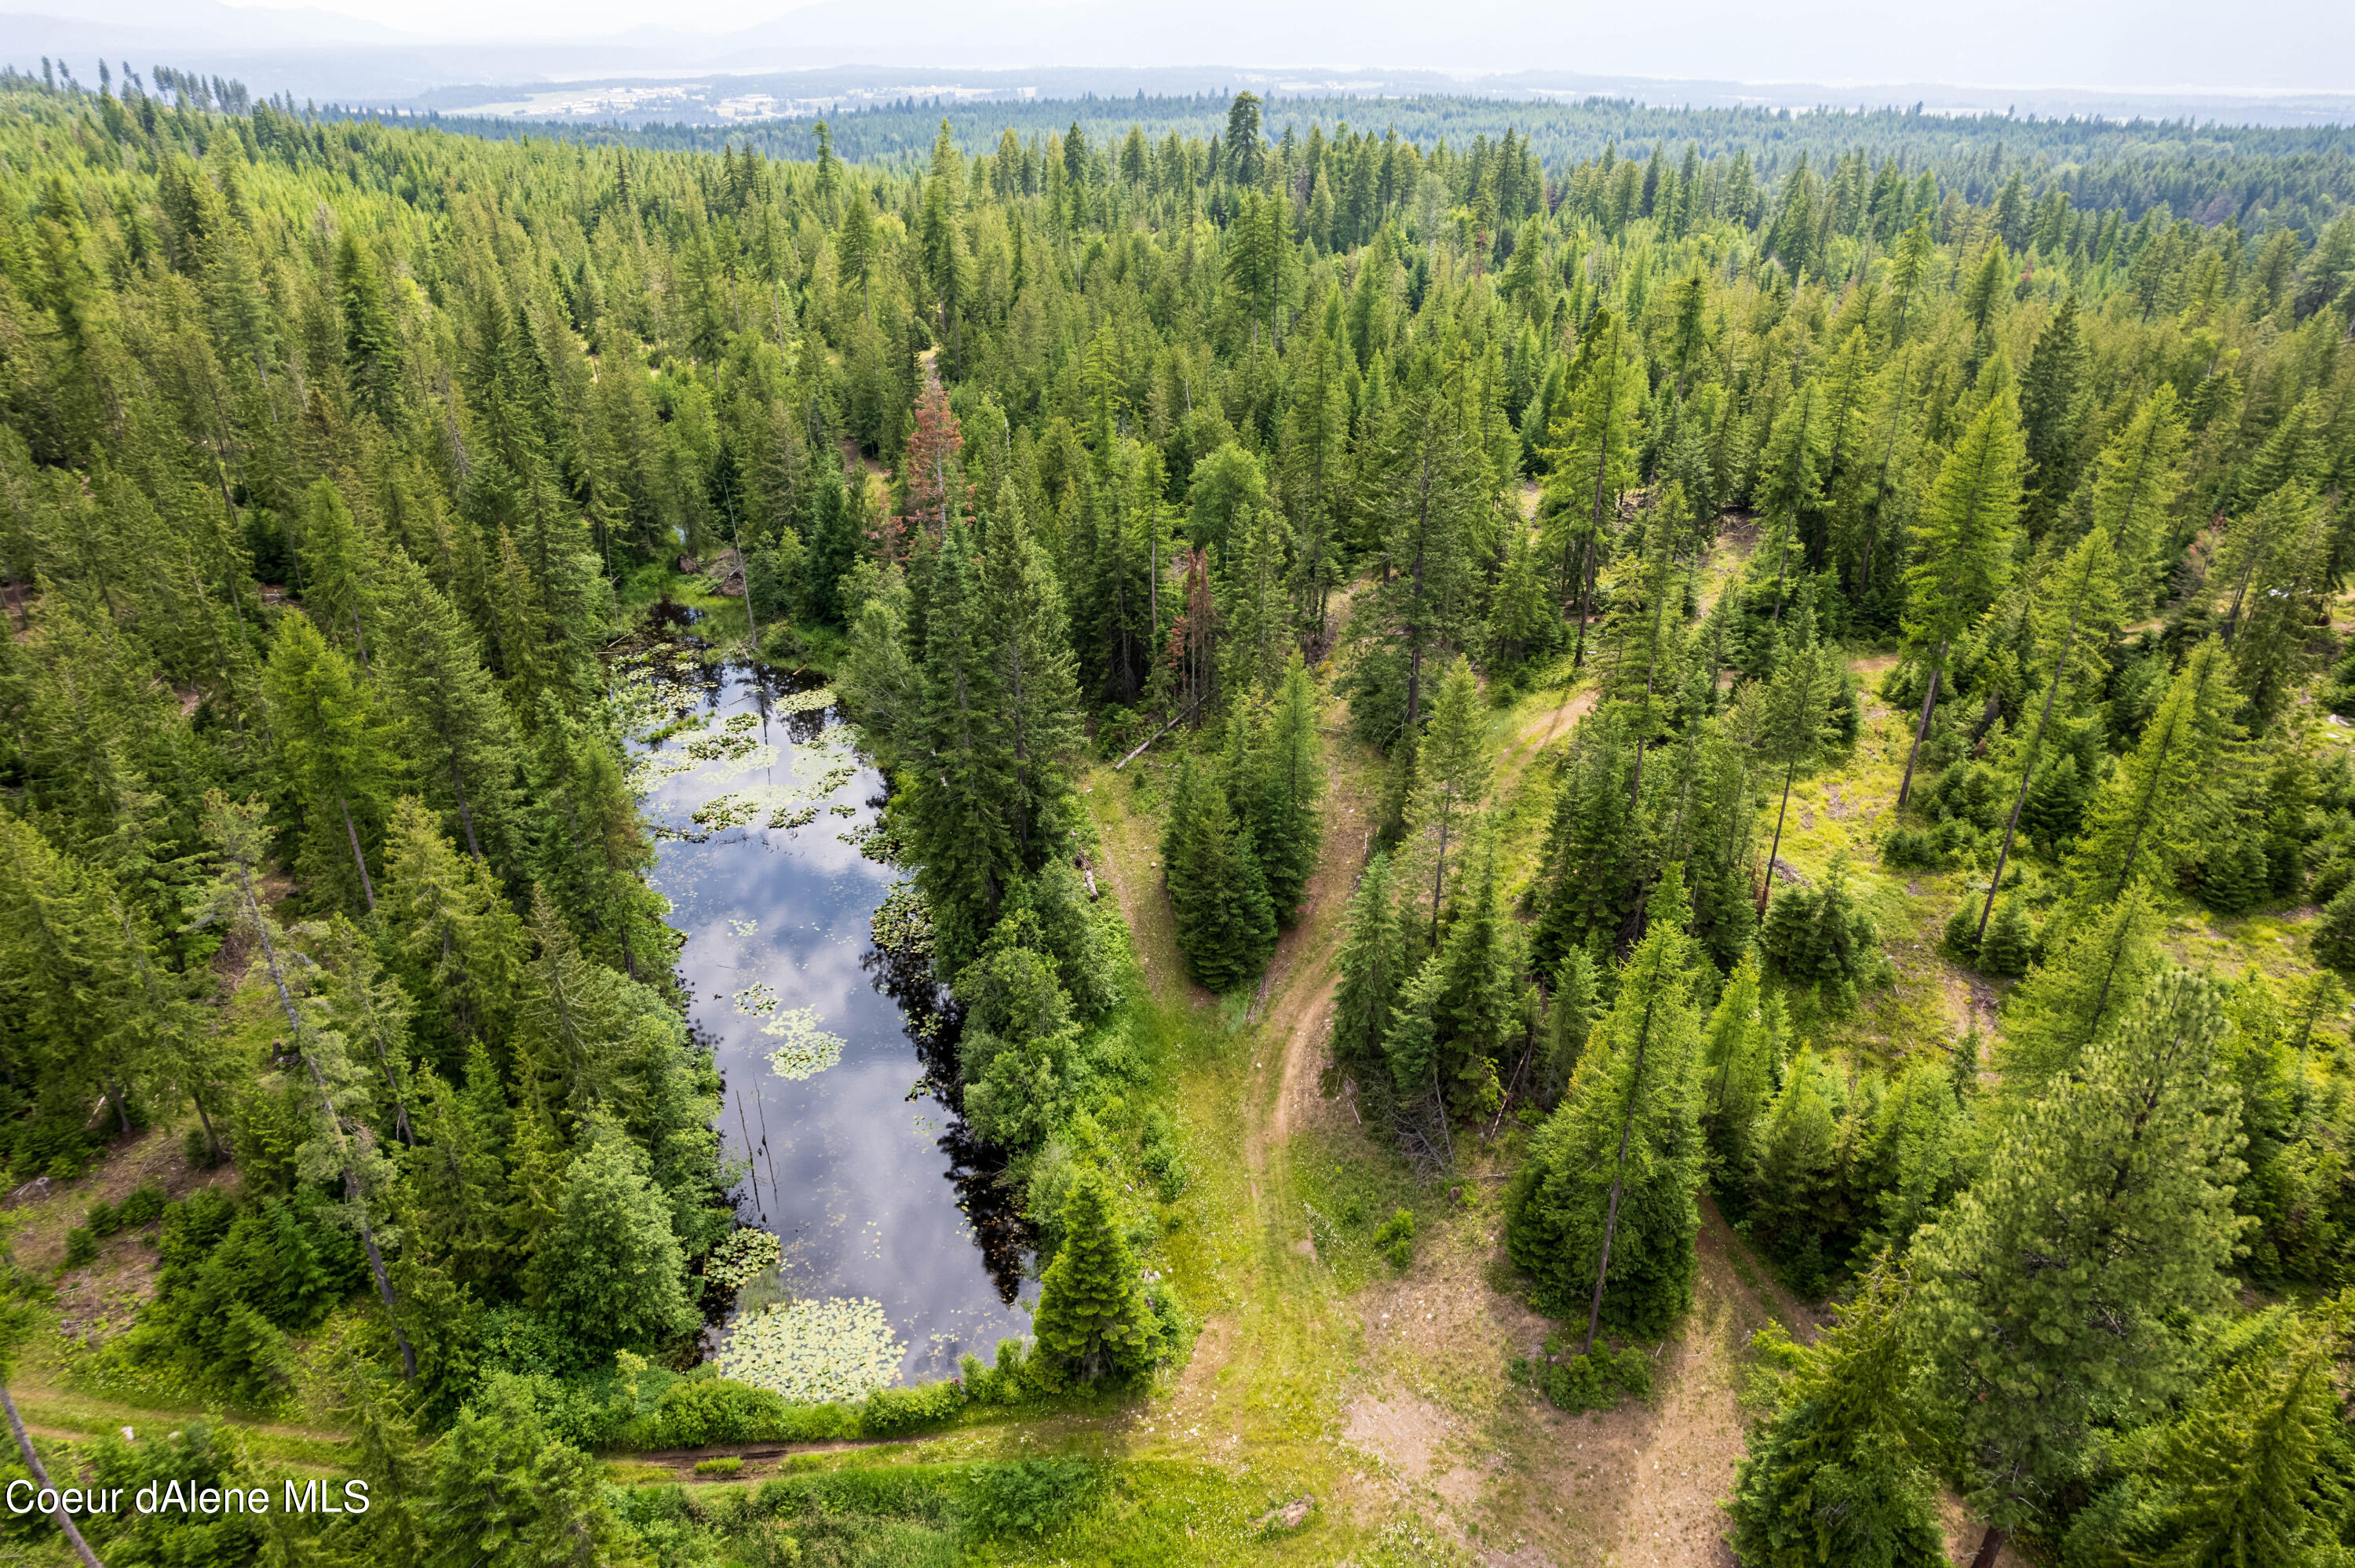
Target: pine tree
point(1736, 1061)
point(2151, 817)
point(1819, 937)
point(2050, 1293)
point(2087, 583)
point(1916, 1151)
point(339, 755)
point(1524, 624)
point(1092, 1318)
point(1792, 1180)
point(2246, 1476)
point(2009, 943)
point(458, 735)
point(236, 831)
point(372, 349)
point(1795, 724)
point(74, 964)
point(1460, 1012)
point(1831, 1481)
point(2333, 936)
point(1288, 777)
point(2080, 993)
point(453, 1185)
point(2053, 413)
point(1026, 627)
point(590, 846)
point(1789, 488)
point(1226, 924)
point(611, 1272)
point(1603, 1216)
point(1451, 782)
point(369, 1008)
point(454, 942)
point(1592, 460)
point(1591, 859)
point(963, 800)
point(2135, 483)
point(1432, 484)
point(1569, 1019)
point(338, 588)
point(1373, 965)
point(1962, 546)
point(1255, 608)
point(2276, 563)
point(506, 1490)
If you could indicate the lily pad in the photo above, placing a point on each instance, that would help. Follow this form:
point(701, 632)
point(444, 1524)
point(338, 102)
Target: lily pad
point(743, 1257)
point(837, 1347)
point(808, 1050)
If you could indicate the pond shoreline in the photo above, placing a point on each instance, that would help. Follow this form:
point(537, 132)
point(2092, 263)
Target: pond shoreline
point(840, 1100)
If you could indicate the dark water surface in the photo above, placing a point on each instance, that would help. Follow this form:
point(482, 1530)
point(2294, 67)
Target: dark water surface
point(863, 1169)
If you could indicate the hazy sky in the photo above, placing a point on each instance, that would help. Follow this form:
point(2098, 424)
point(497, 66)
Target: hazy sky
point(2274, 44)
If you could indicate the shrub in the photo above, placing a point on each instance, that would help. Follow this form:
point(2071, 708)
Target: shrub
point(1394, 1239)
point(143, 1206)
point(1164, 1157)
point(101, 1220)
point(1166, 1328)
point(235, 1282)
point(1961, 940)
point(2010, 945)
point(1595, 1381)
point(891, 1410)
point(1007, 1382)
point(728, 1464)
point(1633, 1369)
point(1028, 1497)
point(517, 1339)
point(698, 1411)
point(81, 1246)
point(2333, 936)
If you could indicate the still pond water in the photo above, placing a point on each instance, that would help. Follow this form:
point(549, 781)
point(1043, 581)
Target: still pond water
point(860, 1165)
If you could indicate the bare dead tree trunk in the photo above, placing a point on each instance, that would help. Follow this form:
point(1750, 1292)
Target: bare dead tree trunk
point(33, 1463)
point(1929, 701)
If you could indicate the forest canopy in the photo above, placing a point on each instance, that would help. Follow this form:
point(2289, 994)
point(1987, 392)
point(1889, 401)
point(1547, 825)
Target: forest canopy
point(1998, 468)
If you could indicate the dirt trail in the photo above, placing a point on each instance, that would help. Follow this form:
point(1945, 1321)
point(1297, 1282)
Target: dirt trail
point(1305, 973)
point(1541, 731)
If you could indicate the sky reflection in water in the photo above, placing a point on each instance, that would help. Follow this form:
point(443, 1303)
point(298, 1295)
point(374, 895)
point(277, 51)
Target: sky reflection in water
point(864, 1171)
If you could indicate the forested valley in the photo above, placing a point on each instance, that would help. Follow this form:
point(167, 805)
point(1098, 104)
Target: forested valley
point(1552, 808)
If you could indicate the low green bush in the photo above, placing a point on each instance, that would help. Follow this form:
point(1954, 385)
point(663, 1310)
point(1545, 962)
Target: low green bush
point(81, 1246)
point(1028, 1497)
point(892, 1411)
point(1595, 1381)
point(1008, 1383)
point(1394, 1239)
point(1163, 1158)
point(143, 1206)
point(697, 1412)
point(725, 1466)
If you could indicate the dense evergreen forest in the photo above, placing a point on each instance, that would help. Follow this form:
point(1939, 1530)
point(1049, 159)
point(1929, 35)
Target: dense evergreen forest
point(1998, 469)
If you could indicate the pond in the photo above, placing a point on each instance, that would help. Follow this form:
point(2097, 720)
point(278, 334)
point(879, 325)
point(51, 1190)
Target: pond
point(839, 1076)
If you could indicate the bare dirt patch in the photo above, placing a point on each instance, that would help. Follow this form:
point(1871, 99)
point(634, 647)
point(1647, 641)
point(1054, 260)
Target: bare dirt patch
point(47, 1210)
point(1405, 1432)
